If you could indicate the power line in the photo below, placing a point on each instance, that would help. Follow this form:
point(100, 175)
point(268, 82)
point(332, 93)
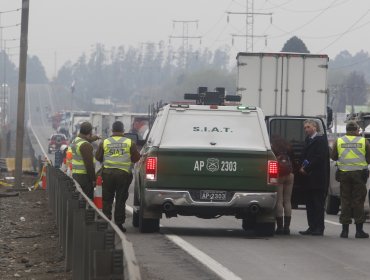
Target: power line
point(249, 25)
point(218, 21)
point(10, 11)
point(307, 23)
point(345, 32)
point(301, 11)
point(185, 37)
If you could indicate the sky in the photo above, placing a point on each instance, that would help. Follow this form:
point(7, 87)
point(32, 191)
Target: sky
point(62, 30)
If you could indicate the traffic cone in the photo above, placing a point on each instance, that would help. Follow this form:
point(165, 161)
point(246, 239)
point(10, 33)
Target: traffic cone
point(98, 193)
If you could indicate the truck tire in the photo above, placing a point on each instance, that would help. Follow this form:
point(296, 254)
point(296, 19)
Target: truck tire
point(135, 218)
point(248, 224)
point(265, 229)
point(332, 205)
point(147, 225)
point(136, 199)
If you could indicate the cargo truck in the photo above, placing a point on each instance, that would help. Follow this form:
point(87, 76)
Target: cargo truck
point(133, 123)
point(289, 88)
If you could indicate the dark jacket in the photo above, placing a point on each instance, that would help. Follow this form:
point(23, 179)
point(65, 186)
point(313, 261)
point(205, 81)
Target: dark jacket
point(86, 150)
point(316, 152)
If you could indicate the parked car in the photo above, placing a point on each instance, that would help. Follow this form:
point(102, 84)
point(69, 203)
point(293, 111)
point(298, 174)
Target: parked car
point(55, 141)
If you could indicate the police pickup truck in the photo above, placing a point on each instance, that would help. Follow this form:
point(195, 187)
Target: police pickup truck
point(207, 160)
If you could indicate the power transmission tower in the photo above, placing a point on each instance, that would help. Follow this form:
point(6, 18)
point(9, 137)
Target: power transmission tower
point(185, 37)
point(249, 25)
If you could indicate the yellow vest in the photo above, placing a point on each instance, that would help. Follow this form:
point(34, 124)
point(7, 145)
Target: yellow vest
point(117, 153)
point(78, 165)
point(351, 153)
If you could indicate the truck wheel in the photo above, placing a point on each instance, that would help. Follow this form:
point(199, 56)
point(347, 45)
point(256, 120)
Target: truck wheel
point(135, 218)
point(148, 225)
point(265, 229)
point(332, 205)
point(249, 224)
point(136, 199)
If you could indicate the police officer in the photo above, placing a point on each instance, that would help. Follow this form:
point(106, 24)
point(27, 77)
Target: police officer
point(83, 169)
point(117, 153)
point(352, 153)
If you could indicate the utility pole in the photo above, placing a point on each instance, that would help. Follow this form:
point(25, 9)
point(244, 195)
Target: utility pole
point(21, 93)
point(185, 37)
point(249, 25)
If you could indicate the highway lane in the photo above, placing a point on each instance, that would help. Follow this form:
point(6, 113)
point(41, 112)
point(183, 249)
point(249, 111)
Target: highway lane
point(279, 257)
point(41, 101)
point(223, 241)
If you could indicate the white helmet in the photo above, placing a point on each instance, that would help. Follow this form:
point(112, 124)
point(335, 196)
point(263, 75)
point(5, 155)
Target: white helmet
point(63, 147)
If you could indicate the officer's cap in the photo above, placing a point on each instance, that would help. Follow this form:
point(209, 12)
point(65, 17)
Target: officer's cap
point(85, 128)
point(118, 126)
point(352, 126)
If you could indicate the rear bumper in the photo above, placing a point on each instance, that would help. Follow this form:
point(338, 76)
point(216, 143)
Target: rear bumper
point(155, 198)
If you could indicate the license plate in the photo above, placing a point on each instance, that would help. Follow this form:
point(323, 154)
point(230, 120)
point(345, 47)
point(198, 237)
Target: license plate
point(213, 195)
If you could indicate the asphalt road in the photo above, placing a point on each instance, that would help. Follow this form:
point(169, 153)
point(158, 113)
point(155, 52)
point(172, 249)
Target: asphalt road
point(192, 248)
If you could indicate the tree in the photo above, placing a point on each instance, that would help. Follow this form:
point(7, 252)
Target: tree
point(356, 89)
point(35, 71)
point(295, 45)
point(11, 74)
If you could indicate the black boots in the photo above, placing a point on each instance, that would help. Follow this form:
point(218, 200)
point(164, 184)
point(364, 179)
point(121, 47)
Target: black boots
point(279, 226)
point(287, 220)
point(283, 225)
point(360, 232)
point(344, 233)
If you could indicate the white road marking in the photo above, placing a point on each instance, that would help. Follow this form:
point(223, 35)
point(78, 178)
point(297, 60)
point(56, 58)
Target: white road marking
point(333, 223)
point(203, 258)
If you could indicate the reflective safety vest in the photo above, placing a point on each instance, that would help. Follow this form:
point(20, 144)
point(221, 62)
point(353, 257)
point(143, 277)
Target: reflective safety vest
point(78, 165)
point(351, 153)
point(117, 153)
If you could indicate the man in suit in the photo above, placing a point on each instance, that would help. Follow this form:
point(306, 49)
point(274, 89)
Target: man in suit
point(315, 168)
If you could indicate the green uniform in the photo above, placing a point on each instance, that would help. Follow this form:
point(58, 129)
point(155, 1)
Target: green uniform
point(352, 177)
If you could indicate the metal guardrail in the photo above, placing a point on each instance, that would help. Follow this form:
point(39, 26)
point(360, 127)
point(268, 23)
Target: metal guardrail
point(93, 247)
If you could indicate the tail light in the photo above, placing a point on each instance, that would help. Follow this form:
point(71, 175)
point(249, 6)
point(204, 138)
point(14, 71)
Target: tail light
point(151, 168)
point(272, 172)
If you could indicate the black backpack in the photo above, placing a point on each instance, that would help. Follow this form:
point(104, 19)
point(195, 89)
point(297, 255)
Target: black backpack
point(285, 165)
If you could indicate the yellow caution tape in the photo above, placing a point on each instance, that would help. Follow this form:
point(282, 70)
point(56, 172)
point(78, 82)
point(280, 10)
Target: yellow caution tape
point(5, 184)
